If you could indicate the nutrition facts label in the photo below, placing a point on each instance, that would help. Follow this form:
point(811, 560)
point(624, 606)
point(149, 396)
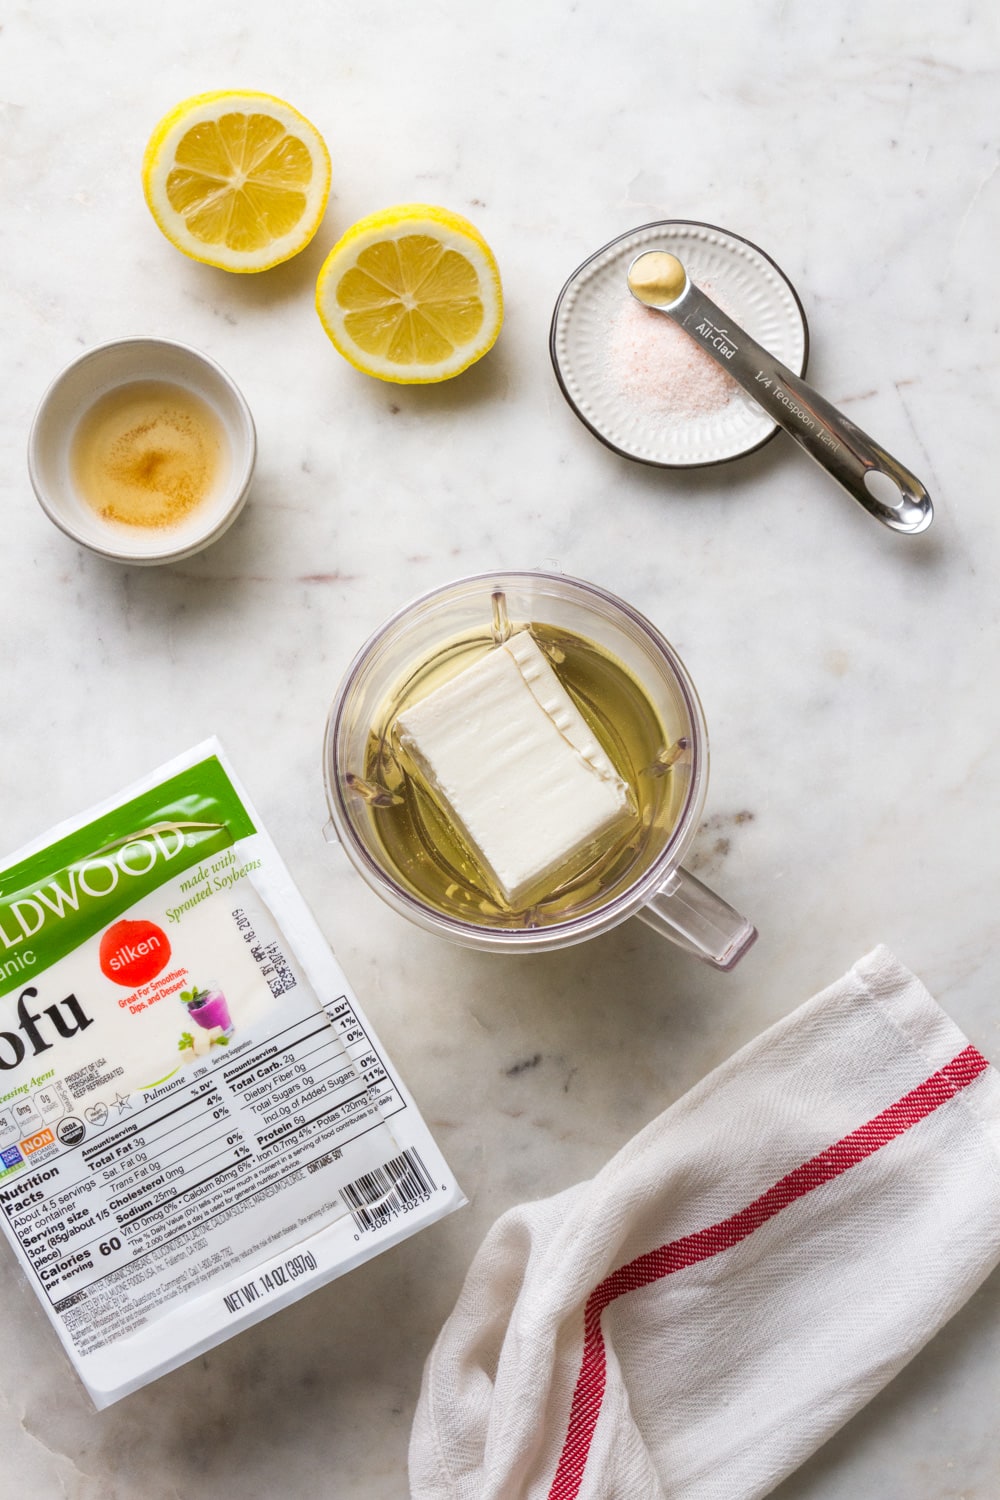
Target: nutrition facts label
point(234, 1160)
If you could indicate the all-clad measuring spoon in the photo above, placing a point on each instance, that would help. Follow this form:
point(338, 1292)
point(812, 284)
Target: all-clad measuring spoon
point(875, 479)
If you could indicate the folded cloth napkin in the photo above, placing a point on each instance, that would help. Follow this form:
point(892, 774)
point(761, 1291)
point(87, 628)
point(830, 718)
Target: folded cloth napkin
point(741, 1278)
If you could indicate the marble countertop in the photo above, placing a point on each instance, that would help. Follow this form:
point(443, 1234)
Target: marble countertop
point(848, 675)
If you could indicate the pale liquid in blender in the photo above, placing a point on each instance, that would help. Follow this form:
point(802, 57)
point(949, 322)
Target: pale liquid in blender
point(422, 848)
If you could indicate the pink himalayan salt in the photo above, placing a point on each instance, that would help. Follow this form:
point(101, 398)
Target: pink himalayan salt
point(660, 368)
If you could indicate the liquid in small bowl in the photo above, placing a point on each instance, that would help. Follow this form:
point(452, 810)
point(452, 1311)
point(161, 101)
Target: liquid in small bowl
point(149, 454)
point(142, 450)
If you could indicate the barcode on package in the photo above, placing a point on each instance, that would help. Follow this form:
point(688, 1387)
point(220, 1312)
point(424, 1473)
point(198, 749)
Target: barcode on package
point(394, 1188)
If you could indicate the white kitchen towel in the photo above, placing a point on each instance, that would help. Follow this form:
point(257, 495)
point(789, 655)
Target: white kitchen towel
point(741, 1278)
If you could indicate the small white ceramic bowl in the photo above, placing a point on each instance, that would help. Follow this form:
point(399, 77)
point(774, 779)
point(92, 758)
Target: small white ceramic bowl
point(74, 392)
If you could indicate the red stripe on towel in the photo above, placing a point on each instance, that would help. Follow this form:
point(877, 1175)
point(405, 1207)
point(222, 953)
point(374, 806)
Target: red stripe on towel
point(854, 1148)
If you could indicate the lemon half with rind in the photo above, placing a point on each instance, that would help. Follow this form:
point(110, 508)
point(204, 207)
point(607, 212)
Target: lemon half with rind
point(237, 179)
point(411, 294)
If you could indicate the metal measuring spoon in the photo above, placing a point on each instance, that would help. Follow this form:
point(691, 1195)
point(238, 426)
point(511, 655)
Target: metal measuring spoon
point(872, 476)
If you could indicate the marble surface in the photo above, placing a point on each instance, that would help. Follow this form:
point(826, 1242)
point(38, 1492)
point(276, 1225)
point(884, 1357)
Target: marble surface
point(848, 675)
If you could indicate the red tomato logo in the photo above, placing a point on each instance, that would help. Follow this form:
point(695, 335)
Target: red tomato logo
point(132, 953)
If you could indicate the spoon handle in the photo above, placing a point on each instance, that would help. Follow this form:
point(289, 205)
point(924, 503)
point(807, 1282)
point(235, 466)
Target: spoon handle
point(868, 473)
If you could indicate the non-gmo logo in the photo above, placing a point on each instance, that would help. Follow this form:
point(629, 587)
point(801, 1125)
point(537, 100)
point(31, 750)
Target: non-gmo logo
point(11, 1157)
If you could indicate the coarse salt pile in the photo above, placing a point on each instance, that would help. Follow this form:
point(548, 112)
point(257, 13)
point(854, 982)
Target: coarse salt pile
point(657, 366)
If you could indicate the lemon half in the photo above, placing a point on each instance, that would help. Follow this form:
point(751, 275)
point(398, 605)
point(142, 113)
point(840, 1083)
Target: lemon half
point(411, 294)
point(238, 180)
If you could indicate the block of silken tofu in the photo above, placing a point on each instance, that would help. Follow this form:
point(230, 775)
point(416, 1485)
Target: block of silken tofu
point(506, 752)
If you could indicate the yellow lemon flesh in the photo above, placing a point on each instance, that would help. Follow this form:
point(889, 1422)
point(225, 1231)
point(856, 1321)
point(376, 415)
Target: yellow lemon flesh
point(411, 294)
point(238, 180)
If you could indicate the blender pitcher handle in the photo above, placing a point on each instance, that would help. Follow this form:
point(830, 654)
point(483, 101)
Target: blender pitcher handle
point(697, 920)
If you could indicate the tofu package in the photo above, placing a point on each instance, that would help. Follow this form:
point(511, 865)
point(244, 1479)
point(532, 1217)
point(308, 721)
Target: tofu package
point(198, 1124)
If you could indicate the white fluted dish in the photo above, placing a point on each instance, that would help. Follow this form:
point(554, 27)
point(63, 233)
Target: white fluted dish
point(741, 275)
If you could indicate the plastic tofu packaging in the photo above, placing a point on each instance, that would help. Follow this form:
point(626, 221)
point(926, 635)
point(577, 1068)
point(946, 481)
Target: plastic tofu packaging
point(197, 1123)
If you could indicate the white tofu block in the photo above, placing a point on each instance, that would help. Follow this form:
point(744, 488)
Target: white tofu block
point(506, 752)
